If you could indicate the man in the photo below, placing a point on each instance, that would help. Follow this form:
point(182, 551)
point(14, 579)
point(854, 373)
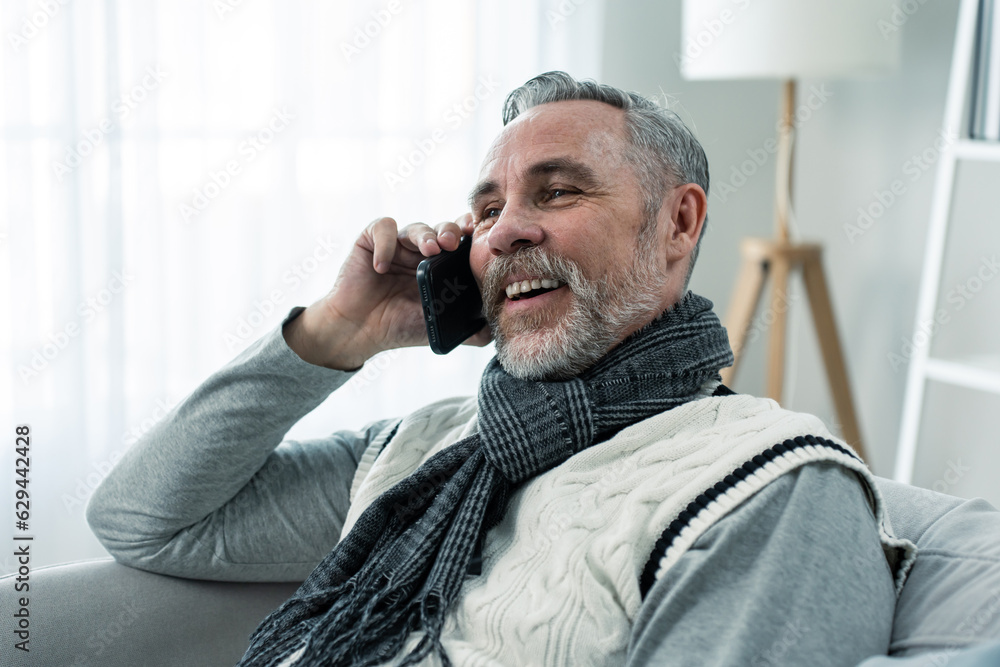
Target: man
point(604, 500)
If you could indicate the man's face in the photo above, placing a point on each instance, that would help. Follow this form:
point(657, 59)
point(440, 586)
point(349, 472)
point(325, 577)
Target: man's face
point(557, 201)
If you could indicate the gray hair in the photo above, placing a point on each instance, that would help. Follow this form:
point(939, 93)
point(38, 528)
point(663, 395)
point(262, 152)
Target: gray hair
point(661, 148)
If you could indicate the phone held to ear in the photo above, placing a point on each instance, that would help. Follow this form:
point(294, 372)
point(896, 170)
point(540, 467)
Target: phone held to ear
point(453, 307)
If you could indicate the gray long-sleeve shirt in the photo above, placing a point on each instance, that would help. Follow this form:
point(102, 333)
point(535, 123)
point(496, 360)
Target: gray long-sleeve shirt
point(794, 576)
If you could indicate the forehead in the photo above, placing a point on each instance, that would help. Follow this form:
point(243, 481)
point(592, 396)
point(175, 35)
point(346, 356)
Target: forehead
point(593, 132)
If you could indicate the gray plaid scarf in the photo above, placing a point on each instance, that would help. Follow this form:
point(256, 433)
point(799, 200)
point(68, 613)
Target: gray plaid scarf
point(401, 567)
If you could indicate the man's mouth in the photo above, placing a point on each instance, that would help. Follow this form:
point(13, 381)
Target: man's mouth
point(532, 287)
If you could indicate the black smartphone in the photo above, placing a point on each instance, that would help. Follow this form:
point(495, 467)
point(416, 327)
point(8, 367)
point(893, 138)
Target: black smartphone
point(453, 307)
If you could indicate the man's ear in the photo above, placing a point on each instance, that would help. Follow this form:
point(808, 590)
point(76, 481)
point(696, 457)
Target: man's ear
point(687, 205)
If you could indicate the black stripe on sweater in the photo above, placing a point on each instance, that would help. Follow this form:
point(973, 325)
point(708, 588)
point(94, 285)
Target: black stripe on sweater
point(706, 498)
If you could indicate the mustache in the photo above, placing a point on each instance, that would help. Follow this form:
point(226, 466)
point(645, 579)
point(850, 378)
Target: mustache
point(532, 260)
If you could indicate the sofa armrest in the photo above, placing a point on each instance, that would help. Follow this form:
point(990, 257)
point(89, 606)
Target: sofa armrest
point(99, 612)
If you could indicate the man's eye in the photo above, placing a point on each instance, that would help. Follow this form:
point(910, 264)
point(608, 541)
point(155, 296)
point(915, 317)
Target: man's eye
point(491, 212)
point(556, 193)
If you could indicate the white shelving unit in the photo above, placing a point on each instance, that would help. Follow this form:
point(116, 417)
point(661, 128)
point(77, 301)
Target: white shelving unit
point(974, 373)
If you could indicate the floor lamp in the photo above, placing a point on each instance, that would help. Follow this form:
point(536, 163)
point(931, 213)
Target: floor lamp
point(787, 40)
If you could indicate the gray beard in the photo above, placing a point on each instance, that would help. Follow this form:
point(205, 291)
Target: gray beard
point(601, 312)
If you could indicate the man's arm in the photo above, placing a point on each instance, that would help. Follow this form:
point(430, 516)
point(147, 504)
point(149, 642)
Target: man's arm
point(209, 493)
point(794, 576)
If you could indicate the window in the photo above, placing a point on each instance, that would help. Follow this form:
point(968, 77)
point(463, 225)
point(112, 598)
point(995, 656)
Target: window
point(175, 176)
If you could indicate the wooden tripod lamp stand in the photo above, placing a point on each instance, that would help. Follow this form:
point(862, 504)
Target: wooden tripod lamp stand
point(777, 259)
point(787, 39)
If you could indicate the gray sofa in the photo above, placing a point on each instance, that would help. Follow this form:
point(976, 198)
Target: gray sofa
point(102, 613)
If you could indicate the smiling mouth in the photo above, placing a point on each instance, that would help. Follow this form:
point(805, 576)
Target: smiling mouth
point(527, 289)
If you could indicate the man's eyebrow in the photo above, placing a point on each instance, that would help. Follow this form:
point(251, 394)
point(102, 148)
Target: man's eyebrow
point(483, 189)
point(572, 169)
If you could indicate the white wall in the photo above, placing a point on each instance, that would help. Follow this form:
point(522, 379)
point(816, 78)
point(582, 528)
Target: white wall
point(858, 142)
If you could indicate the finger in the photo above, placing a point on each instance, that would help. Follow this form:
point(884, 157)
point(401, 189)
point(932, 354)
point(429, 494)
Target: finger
point(383, 233)
point(465, 223)
point(419, 237)
point(448, 235)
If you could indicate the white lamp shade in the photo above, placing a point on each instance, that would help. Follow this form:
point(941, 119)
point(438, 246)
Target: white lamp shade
point(739, 39)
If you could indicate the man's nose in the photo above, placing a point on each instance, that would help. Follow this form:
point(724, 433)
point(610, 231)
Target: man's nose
point(516, 228)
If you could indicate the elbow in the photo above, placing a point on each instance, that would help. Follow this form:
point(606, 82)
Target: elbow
point(101, 517)
point(96, 512)
point(110, 523)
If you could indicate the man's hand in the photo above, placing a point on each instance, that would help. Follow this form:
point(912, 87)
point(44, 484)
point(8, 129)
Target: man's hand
point(374, 304)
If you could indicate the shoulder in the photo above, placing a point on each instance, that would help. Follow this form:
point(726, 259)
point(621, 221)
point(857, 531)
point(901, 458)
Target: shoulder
point(818, 502)
point(816, 490)
point(806, 548)
point(733, 417)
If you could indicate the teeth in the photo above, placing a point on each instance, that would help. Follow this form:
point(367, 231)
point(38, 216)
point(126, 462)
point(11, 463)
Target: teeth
point(523, 286)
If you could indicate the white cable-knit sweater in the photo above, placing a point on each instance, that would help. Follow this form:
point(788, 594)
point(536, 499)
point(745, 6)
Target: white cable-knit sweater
point(560, 577)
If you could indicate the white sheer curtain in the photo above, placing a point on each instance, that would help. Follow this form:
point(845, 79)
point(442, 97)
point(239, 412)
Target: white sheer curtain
point(176, 175)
